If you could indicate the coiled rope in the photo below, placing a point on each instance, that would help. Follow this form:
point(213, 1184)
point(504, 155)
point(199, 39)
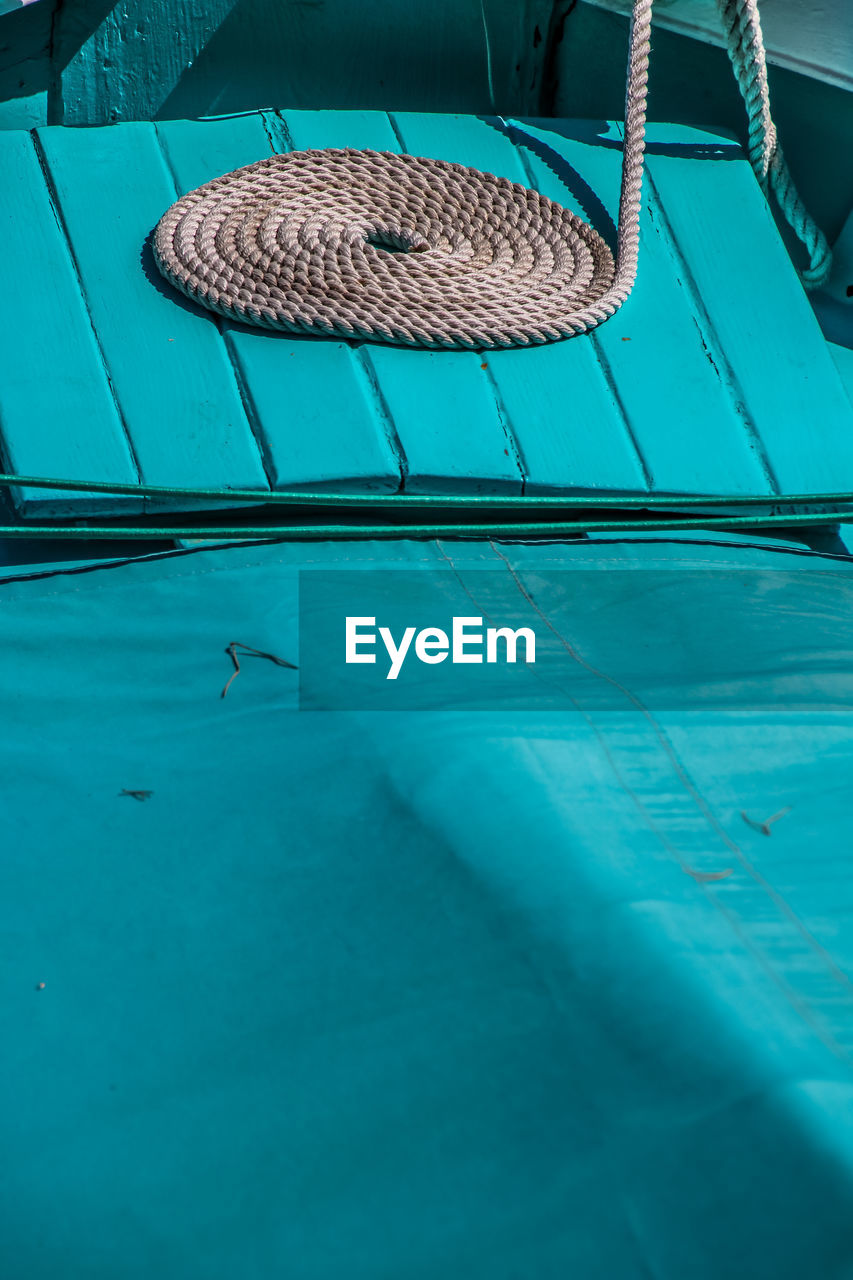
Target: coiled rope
point(420, 252)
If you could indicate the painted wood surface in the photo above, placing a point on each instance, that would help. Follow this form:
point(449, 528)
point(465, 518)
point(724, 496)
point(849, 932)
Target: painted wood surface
point(713, 378)
point(778, 368)
point(843, 360)
point(57, 410)
point(25, 65)
point(97, 61)
point(443, 404)
point(313, 406)
point(172, 378)
point(692, 82)
point(203, 57)
point(654, 353)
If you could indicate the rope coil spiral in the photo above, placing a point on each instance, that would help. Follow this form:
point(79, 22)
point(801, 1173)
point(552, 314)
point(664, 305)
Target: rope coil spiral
point(389, 247)
point(419, 252)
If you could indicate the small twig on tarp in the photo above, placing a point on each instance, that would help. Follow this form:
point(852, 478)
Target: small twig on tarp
point(764, 827)
point(137, 795)
point(248, 651)
point(706, 877)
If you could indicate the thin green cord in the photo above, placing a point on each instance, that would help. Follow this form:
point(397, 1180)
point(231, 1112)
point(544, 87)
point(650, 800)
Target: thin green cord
point(505, 529)
point(308, 498)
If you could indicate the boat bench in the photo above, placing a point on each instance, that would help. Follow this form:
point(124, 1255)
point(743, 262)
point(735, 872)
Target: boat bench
point(713, 378)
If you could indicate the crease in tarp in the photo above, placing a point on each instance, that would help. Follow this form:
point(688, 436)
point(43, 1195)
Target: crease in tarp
point(402, 994)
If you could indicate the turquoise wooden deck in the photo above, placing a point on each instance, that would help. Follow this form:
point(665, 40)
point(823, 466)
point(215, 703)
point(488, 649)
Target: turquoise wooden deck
point(713, 378)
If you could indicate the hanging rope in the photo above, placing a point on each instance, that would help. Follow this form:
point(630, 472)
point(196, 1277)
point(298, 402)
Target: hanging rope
point(745, 44)
point(420, 252)
point(401, 249)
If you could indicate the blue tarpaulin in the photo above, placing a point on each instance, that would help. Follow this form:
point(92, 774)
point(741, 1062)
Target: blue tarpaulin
point(526, 992)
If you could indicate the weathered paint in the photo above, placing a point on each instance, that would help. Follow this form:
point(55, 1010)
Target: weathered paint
point(708, 380)
point(778, 364)
point(692, 82)
point(312, 404)
point(672, 414)
point(57, 408)
point(173, 381)
point(97, 61)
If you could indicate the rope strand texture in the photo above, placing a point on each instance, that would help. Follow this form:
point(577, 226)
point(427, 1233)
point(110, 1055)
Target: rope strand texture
point(393, 248)
point(745, 44)
point(402, 249)
point(420, 252)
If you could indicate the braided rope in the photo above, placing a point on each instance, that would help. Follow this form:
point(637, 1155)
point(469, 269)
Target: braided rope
point(419, 252)
point(394, 248)
point(402, 249)
point(745, 44)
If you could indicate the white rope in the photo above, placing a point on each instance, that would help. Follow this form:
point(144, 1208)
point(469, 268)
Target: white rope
point(402, 249)
point(745, 44)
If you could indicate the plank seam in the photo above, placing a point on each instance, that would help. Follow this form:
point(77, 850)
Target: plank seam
point(282, 124)
point(607, 374)
point(232, 359)
point(601, 360)
point(362, 364)
point(249, 407)
point(278, 135)
point(714, 352)
point(56, 209)
point(501, 410)
point(363, 367)
point(524, 161)
point(506, 423)
point(398, 134)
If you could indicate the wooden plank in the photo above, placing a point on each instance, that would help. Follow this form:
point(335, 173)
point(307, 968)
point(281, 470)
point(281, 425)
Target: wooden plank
point(26, 46)
point(556, 401)
point(197, 151)
point(448, 420)
point(471, 140)
point(312, 404)
point(307, 130)
point(659, 355)
point(443, 403)
point(741, 272)
point(670, 391)
point(350, 440)
point(170, 371)
point(57, 412)
point(442, 408)
point(566, 419)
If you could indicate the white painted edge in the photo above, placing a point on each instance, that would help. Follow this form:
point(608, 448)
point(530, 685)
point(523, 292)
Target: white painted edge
point(818, 44)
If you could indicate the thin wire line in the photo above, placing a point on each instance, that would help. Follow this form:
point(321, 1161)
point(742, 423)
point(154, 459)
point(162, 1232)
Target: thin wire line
point(341, 532)
point(313, 498)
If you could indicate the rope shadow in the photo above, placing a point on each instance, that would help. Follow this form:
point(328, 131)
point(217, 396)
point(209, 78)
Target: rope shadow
point(582, 193)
